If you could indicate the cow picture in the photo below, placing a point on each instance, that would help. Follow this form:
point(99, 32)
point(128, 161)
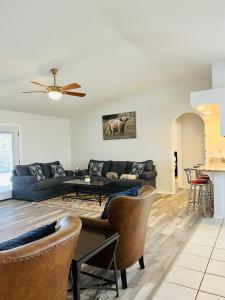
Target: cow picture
point(119, 126)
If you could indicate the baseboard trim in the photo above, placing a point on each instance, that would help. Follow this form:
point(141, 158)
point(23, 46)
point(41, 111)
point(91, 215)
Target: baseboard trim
point(171, 193)
point(165, 192)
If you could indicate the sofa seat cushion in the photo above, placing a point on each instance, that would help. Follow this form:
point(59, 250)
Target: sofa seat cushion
point(46, 167)
point(46, 184)
point(127, 183)
point(119, 167)
point(29, 237)
point(67, 178)
point(133, 192)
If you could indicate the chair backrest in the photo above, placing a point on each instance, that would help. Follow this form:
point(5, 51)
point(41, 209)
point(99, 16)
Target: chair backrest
point(192, 173)
point(39, 270)
point(129, 217)
point(189, 174)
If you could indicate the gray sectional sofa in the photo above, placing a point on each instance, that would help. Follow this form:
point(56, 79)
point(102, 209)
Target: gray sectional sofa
point(27, 187)
point(148, 177)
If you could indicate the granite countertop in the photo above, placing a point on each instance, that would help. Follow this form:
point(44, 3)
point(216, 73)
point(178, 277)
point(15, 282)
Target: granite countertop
point(213, 167)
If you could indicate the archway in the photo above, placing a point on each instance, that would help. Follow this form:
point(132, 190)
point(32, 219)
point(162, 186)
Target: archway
point(188, 146)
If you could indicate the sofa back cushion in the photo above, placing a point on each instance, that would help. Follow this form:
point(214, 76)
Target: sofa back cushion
point(23, 170)
point(46, 167)
point(106, 165)
point(148, 166)
point(119, 167)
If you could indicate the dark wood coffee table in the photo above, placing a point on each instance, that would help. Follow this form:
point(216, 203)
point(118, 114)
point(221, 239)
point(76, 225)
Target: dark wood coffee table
point(91, 242)
point(94, 187)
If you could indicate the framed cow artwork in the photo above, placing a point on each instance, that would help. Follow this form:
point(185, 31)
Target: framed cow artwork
point(119, 126)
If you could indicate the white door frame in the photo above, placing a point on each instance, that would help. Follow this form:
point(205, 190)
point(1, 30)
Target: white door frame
point(14, 130)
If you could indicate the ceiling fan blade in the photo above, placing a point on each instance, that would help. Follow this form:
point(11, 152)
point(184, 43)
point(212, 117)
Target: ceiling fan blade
point(33, 92)
point(70, 86)
point(39, 84)
point(74, 94)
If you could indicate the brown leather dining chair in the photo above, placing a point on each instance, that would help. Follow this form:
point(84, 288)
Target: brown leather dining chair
point(39, 270)
point(129, 217)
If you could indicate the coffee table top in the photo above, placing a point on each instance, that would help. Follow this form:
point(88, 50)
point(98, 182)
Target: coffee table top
point(90, 238)
point(93, 182)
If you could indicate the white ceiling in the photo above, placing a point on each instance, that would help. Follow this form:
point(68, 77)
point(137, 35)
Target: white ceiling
point(112, 48)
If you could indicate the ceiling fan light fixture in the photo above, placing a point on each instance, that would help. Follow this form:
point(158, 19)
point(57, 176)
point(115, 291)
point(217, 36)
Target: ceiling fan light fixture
point(55, 91)
point(54, 95)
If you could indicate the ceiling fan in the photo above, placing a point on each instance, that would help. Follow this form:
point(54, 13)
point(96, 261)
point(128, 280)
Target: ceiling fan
point(54, 91)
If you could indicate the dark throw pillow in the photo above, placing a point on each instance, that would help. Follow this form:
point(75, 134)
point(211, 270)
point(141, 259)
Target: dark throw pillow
point(137, 168)
point(46, 167)
point(57, 171)
point(133, 192)
point(96, 168)
point(29, 237)
point(37, 171)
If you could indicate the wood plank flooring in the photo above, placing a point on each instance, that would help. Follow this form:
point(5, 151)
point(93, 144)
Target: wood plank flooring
point(169, 229)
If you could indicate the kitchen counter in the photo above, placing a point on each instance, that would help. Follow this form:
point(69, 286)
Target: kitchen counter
point(213, 167)
point(216, 172)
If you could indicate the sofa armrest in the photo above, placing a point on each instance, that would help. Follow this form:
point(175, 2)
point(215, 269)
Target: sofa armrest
point(24, 179)
point(148, 175)
point(83, 172)
point(70, 173)
point(96, 223)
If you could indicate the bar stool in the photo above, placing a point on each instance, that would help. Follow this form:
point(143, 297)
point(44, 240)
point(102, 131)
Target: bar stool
point(198, 186)
point(201, 175)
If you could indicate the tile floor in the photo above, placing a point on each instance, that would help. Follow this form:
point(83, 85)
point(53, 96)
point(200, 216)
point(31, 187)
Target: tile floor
point(199, 271)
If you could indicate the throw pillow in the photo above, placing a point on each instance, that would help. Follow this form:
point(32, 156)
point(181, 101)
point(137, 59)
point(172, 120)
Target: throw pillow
point(112, 175)
point(29, 237)
point(96, 168)
point(128, 176)
point(37, 172)
point(57, 171)
point(46, 167)
point(133, 192)
point(137, 168)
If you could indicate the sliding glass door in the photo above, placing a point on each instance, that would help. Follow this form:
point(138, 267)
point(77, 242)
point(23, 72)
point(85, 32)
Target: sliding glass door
point(9, 157)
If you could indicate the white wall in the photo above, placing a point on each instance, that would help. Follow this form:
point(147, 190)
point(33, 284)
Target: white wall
point(42, 138)
point(156, 110)
point(192, 144)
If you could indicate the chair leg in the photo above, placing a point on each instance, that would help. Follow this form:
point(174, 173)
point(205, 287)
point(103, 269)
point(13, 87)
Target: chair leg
point(115, 275)
point(189, 198)
point(194, 197)
point(204, 202)
point(124, 278)
point(76, 281)
point(141, 262)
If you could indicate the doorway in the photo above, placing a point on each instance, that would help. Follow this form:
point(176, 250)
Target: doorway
point(188, 146)
point(9, 157)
